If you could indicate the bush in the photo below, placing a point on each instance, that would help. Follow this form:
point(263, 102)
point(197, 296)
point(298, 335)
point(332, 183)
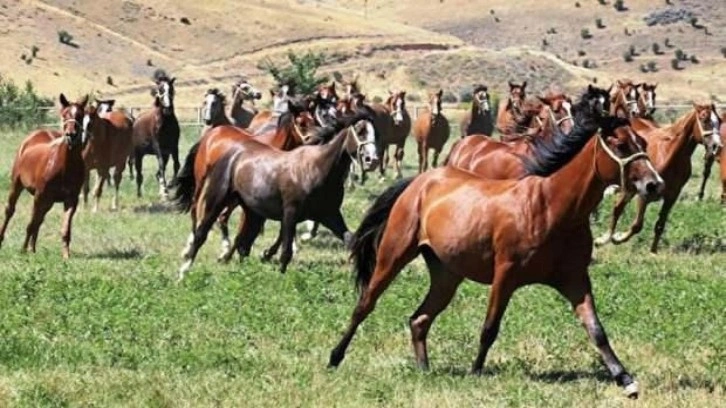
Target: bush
point(694, 59)
point(632, 52)
point(667, 43)
point(64, 37)
point(599, 23)
point(577, 4)
point(679, 54)
point(602, 2)
point(34, 51)
point(627, 57)
point(585, 34)
point(723, 51)
point(675, 65)
point(377, 99)
point(413, 97)
point(619, 5)
point(656, 49)
point(643, 68)
point(300, 73)
point(581, 53)
point(652, 66)
point(22, 108)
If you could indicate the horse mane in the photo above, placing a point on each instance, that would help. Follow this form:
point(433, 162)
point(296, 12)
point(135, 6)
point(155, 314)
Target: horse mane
point(325, 134)
point(551, 154)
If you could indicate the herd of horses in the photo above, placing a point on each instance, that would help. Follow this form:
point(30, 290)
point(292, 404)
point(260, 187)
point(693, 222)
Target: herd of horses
point(507, 212)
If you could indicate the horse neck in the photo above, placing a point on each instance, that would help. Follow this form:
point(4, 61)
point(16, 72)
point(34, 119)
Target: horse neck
point(683, 142)
point(238, 112)
point(331, 152)
point(284, 138)
point(619, 107)
point(575, 190)
point(221, 119)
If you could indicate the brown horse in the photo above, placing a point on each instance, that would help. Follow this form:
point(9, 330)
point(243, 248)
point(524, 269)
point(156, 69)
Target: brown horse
point(109, 143)
point(49, 165)
point(506, 113)
point(291, 132)
point(625, 101)
point(240, 115)
point(646, 100)
point(721, 158)
point(478, 121)
point(393, 124)
point(506, 233)
point(157, 132)
point(305, 183)
point(431, 131)
point(670, 148)
point(266, 119)
point(323, 104)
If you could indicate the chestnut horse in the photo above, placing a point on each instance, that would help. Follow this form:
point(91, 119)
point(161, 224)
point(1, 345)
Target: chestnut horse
point(109, 143)
point(646, 100)
point(721, 158)
point(478, 121)
point(506, 122)
point(506, 233)
point(49, 165)
point(625, 101)
point(240, 115)
point(393, 123)
point(304, 183)
point(157, 132)
point(431, 130)
point(290, 133)
point(670, 148)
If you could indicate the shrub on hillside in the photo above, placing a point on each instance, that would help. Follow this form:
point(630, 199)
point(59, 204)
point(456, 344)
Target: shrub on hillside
point(585, 34)
point(619, 5)
point(22, 107)
point(300, 72)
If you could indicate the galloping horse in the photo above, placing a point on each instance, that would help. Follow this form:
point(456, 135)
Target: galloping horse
point(157, 132)
point(625, 100)
point(721, 158)
point(393, 123)
point(304, 183)
point(506, 121)
point(240, 115)
point(431, 131)
point(359, 167)
point(109, 142)
point(478, 121)
point(670, 148)
point(507, 233)
point(49, 164)
point(291, 132)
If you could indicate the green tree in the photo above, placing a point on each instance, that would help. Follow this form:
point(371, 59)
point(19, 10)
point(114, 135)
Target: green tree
point(22, 107)
point(300, 72)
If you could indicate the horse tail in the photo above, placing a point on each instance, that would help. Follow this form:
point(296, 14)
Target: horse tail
point(217, 183)
point(184, 184)
point(364, 245)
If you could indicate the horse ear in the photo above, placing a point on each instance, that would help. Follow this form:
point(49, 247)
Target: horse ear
point(63, 101)
point(655, 85)
point(171, 81)
point(83, 102)
point(441, 92)
point(511, 85)
point(524, 85)
point(390, 93)
point(332, 85)
point(272, 93)
point(610, 89)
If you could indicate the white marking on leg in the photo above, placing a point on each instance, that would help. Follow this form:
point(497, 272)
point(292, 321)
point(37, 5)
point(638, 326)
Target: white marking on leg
point(188, 247)
point(185, 268)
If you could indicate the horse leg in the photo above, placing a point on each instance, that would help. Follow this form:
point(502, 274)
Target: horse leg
point(250, 228)
point(336, 224)
point(312, 230)
point(442, 287)
point(287, 229)
point(130, 161)
point(200, 236)
point(161, 174)
point(86, 187)
point(421, 154)
point(499, 296)
point(15, 191)
point(383, 163)
point(40, 208)
point(635, 227)
point(175, 161)
point(100, 181)
point(579, 292)
point(665, 209)
point(436, 157)
point(118, 174)
point(70, 206)
point(223, 222)
point(138, 162)
point(399, 161)
point(618, 209)
point(708, 162)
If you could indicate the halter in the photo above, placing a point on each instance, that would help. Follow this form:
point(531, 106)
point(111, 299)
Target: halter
point(67, 138)
point(360, 144)
point(480, 102)
point(621, 162)
point(704, 133)
point(558, 122)
point(303, 136)
point(630, 103)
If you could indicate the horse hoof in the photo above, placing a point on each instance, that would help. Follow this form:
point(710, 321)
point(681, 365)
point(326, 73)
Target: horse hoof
point(631, 390)
point(603, 240)
point(306, 236)
point(620, 237)
point(184, 269)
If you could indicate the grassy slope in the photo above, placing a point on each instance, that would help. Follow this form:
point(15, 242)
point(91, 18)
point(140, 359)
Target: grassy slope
point(110, 327)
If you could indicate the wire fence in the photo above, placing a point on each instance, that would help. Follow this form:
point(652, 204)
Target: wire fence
point(191, 116)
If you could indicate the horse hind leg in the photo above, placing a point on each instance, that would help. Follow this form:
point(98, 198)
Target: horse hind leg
point(249, 229)
point(437, 152)
point(41, 206)
point(118, 174)
point(442, 287)
point(660, 224)
point(70, 209)
point(86, 187)
point(499, 296)
point(103, 176)
point(15, 191)
point(399, 161)
point(138, 163)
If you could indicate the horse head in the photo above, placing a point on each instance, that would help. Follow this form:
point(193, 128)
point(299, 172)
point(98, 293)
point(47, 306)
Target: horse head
point(709, 124)
point(324, 104)
point(105, 106)
point(297, 121)
point(244, 91)
point(626, 98)
point(396, 104)
point(363, 136)
point(213, 107)
point(594, 103)
point(646, 100)
point(435, 102)
point(72, 117)
point(480, 97)
point(163, 93)
point(559, 109)
point(517, 95)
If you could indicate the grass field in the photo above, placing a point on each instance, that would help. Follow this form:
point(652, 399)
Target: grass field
point(111, 327)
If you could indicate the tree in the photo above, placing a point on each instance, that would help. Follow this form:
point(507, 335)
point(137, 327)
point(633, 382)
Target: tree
point(300, 73)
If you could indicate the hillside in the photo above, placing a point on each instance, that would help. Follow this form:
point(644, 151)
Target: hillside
point(449, 43)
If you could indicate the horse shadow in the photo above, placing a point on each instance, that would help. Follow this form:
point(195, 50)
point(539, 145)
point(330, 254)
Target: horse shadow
point(154, 208)
point(117, 254)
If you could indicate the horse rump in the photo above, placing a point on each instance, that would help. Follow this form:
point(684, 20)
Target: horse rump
point(184, 184)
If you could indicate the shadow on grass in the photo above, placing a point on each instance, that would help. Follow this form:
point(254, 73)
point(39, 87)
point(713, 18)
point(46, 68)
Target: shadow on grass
point(117, 254)
point(566, 376)
point(700, 243)
point(155, 208)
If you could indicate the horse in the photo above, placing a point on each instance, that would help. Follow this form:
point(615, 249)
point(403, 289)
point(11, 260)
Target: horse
point(291, 132)
point(721, 158)
point(506, 233)
point(109, 143)
point(478, 121)
point(213, 110)
point(670, 148)
point(49, 165)
point(393, 123)
point(506, 122)
point(157, 132)
point(358, 169)
point(323, 104)
point(646, 100)
point(431, 130)
point(304, 183)
point(240, 115)
point(266, 119)
point(624, 102)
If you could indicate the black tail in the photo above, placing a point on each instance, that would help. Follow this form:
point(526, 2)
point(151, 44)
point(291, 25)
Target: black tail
point(364, 245)
point(184, 183)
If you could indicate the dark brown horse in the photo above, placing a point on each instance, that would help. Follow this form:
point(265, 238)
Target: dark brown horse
point(506, 233)
point(719, 156)
point(291, 132)
point(431, 130)
point(507, 111)
point(305, 183)
point(108, 136)
point(670, 148)
point(393, 124)
point(49, 165)
point(625, 101)
point(240, 115)
point(478, 121)
point(157, 132)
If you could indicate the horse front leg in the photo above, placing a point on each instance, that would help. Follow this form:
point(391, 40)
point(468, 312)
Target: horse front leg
point(161, 172)
point(289, 222)
point(103, 175)
point(70, 210)
point(15, 191)
point(86, 187)
point(618, 209)
point(138, 163)
point(399, 161)
point(708, 163)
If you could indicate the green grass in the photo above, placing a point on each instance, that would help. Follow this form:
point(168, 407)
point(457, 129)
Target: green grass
point(111, 327)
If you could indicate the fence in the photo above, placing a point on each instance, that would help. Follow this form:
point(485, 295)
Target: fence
point(191, 116)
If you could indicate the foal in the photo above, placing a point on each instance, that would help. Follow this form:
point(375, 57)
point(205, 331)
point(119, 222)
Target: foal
point(49, 165)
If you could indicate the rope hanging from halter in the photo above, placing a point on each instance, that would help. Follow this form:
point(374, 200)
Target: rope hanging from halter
point(621, 162)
